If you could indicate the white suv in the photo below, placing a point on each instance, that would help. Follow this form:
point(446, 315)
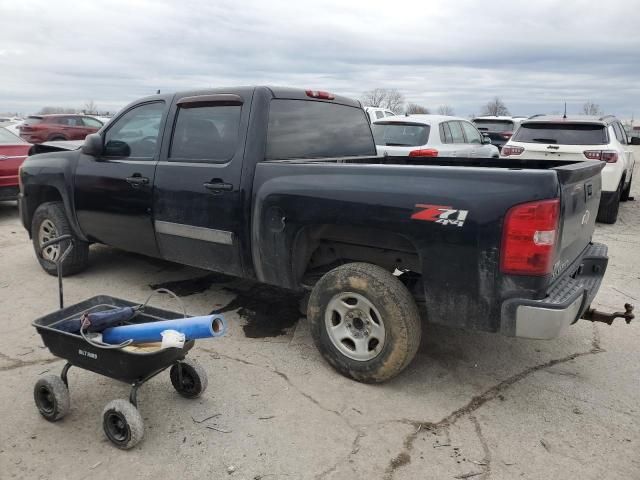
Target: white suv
point(581, 138)
point(376, 113)
point(431, 136)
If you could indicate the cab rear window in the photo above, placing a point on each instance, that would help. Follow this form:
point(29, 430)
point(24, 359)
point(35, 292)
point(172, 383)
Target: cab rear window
point(312, 129)
point(562, 133)
point(400, 134)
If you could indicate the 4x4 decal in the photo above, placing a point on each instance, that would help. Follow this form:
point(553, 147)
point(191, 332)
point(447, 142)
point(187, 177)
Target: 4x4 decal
point(441, 214)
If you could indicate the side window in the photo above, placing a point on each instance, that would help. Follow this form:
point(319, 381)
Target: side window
point(445, 133)
point(379, 114)
point(471, 133)
point(91, 122)
point(206, 132)
point(620, 133)
point(390, 114)
point(135, 134)
point(456, 132)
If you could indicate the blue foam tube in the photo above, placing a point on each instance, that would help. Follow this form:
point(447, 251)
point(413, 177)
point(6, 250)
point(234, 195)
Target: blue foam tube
point(192, 328)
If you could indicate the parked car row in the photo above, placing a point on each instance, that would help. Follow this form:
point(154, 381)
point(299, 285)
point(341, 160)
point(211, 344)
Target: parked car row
point(46, 128)
point(583, 138)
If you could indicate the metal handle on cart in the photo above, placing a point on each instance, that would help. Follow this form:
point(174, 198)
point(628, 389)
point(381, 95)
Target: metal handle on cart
point(60, 259)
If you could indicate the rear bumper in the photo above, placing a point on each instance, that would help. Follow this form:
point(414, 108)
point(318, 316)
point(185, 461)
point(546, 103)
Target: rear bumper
point(566, 301)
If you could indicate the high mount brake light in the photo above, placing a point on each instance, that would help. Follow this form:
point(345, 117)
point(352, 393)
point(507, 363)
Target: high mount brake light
point(529, 238)
point(320, 94)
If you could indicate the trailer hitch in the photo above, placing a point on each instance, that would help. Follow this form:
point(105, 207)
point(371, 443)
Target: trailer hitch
point(594, 315)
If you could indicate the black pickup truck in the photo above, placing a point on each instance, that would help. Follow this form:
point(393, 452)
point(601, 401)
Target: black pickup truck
point(283, 186)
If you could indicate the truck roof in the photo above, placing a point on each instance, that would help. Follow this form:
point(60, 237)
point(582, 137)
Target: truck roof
point(603, 120)
point(277, 92)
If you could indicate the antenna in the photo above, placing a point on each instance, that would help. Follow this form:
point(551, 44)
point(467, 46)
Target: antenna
point(565, 111)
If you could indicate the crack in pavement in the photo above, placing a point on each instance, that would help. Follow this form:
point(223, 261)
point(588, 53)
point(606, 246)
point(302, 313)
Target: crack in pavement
point(355, 444)
point(486, 467)
point(17, 363)
point(478, 401)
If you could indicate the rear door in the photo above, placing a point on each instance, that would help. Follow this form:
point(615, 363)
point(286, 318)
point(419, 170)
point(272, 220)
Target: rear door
point(198, 201)
point(458, 146)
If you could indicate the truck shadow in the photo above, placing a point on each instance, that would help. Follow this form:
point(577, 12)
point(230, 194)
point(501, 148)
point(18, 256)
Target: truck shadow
point(8, 209)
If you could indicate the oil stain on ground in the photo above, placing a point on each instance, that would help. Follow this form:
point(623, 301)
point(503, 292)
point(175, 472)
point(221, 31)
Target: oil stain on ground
point(268, 311)
point(191, 286)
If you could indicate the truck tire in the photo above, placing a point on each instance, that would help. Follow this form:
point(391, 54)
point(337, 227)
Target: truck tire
point(364, 322)
point(608, 213)
point(626, 193)
point(50, 221)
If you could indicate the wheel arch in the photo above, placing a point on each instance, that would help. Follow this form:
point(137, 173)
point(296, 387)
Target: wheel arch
point(318, 248)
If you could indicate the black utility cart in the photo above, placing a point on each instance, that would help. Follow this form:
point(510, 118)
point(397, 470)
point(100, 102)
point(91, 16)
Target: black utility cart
point(121, 420)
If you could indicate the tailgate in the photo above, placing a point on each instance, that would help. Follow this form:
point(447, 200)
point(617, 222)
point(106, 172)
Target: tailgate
point(580, 186)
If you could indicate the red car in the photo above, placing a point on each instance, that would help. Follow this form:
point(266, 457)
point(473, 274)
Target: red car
point(47, 128)
point(13, 151)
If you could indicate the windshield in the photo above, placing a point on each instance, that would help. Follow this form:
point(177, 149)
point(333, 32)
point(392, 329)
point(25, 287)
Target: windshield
point(562, 133)
point(8, 138)
point(400, 134)
point(494, 125)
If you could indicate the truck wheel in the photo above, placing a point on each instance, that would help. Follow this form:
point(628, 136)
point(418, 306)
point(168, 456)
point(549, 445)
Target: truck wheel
point(609, 213)
point(50, 221)
point(626, 193)
point(364, 321)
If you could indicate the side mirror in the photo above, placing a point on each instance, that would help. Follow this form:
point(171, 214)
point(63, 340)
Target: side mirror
point(486, 140)
point(93, 145)
point(635, 140)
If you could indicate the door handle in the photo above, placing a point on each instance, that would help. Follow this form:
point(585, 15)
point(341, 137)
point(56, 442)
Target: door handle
point(216, 186)
point(137, 180)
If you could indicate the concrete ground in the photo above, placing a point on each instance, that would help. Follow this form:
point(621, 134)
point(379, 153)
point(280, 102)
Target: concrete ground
point(471, 405)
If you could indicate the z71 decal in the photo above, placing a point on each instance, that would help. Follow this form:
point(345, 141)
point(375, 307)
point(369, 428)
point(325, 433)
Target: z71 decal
point(440, 214)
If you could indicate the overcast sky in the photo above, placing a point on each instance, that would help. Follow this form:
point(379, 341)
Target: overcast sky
point(534, 54)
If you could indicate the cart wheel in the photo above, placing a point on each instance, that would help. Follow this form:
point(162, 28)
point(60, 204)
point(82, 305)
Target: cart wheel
point(52, 397)
point(194, 379)
point(122, 424)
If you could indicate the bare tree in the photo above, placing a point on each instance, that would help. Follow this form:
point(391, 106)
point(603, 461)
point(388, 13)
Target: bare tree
point(445, 110)
point(388, 98)
point(90, 107)
point(414, 108)
point(495, 107)
point(590, 108)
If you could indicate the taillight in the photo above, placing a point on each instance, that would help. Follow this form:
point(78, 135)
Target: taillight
point(609, 156)
point(320, 94)
point(506, 151)
point(426, 152)
point(529, 238)
point(506, 135)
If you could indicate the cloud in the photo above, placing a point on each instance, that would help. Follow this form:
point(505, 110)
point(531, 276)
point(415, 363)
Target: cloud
point(535, 55)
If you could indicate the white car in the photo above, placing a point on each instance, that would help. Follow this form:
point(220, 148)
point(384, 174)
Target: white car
point(376, 113)
point(431, 136)
point(581, 138)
